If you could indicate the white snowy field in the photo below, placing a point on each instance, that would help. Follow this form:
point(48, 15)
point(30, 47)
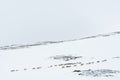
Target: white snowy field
point(90, 58)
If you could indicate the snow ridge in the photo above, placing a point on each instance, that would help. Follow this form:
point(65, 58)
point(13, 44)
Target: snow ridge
point(18, 46)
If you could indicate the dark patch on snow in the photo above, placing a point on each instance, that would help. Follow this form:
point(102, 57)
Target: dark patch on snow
point(65, 58)
point(39, 67)
point(117, 57)
point(97, 73)
point(25, 69)
point(14, 70)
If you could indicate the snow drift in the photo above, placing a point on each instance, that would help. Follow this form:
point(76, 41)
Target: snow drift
point(95, 57)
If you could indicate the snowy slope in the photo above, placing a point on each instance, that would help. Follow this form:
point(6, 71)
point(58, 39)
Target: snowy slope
point(94, 58)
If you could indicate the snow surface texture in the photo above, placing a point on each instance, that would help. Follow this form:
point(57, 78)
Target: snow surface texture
point(90, 58)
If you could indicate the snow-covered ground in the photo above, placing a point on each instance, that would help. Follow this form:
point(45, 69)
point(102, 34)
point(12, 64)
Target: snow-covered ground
point(90, 58)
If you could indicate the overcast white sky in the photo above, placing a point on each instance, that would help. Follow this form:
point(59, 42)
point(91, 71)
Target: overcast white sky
point(28, 21)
